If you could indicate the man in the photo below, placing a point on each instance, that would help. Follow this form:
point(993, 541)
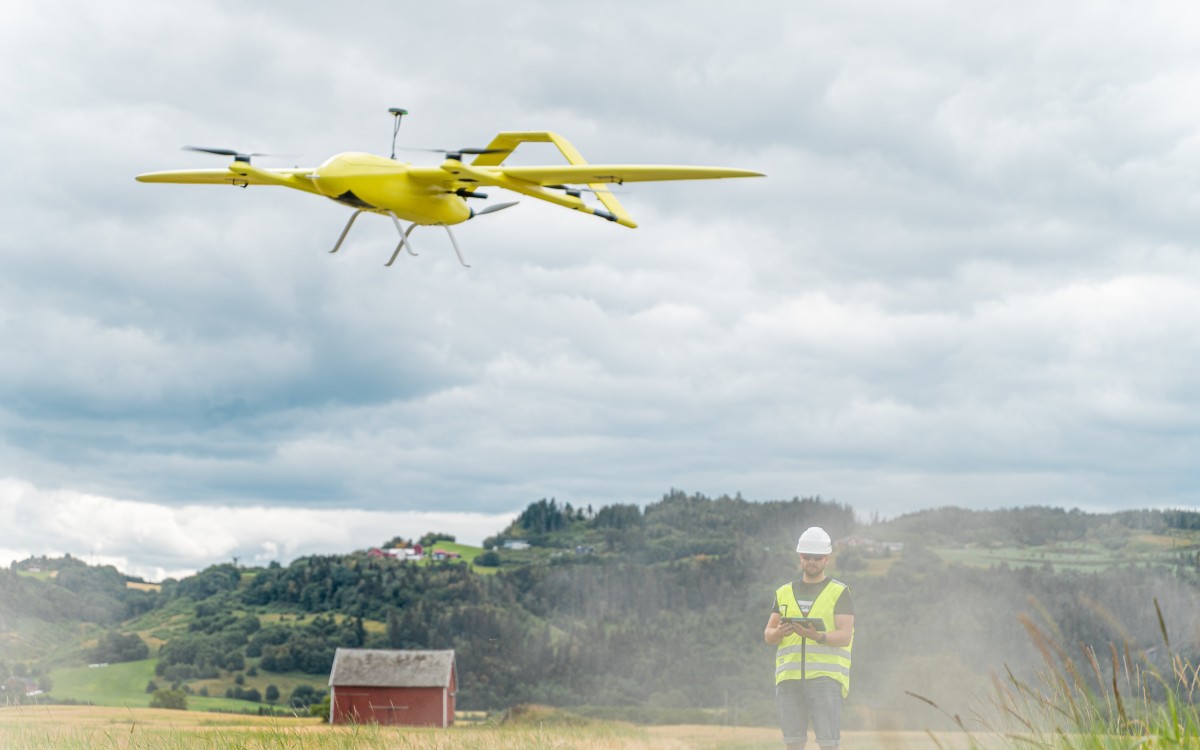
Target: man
point(812, 662)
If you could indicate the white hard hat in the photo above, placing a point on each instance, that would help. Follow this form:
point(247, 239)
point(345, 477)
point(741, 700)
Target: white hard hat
point(814, 541)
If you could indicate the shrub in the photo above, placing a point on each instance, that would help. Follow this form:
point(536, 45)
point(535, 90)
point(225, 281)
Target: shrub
point(305, 695)
point(320, 709)
point(434, 537)
point(174, 699)
point(489, 559)
point(114, 647)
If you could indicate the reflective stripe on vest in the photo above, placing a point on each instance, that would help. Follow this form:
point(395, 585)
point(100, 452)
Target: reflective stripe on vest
point(800, 659)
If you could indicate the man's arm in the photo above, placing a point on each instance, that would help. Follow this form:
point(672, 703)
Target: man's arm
point(843, 631)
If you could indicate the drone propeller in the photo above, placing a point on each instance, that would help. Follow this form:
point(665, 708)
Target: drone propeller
point(492, 209)
point(237, 155)
point(458, 153)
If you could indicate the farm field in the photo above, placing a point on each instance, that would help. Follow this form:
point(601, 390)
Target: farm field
point(1079, 558)
point(100, 728)
point(113, 685)
point(1091, 556)
point(124, 685)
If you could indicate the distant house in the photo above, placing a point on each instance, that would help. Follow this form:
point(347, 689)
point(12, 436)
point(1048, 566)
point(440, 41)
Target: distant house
point(515, 544)
point(407, 688)
point(404, 554)
point(870, 547)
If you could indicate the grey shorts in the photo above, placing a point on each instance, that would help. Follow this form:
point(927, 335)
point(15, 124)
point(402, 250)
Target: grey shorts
point(817, 701)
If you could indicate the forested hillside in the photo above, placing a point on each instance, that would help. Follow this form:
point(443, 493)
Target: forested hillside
point(620, 606)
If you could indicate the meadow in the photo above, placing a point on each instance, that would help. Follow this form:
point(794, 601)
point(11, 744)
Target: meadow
point(109, 728)
point(1087, 556)
point(122, 685)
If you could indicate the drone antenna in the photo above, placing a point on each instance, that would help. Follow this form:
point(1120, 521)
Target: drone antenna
point(398, 114)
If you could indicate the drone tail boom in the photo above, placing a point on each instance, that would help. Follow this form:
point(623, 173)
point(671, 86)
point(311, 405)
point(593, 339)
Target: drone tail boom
point(504, 144)
point(497, 177)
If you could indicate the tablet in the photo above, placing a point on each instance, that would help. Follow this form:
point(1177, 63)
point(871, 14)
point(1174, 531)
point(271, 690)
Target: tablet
point(816, 623)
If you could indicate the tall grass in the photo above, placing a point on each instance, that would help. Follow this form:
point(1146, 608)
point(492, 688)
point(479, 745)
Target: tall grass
point(366, 737)
point(1115, 698)
point(107, 728)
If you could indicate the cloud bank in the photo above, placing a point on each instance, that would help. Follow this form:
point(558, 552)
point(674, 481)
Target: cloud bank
point(969, 278)
point(156, 541)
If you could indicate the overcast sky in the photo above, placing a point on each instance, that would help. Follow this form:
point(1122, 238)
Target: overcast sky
point(971, 276)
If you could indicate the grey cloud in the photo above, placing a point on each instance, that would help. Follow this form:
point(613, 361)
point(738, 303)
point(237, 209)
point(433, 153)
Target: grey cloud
point(967, 278)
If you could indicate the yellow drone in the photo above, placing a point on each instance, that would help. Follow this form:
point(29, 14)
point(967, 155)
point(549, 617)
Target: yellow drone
point(437, 196)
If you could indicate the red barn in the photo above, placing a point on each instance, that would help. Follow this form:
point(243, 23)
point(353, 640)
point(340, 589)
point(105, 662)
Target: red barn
point(409, 688)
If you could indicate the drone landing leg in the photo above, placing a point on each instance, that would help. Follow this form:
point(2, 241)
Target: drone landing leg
point(346, 231)
point(456, 250)
point(404, 243)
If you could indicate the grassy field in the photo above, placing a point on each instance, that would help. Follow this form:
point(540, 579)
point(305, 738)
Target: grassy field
point(114, 685)
point(98, 728)
point(293, 619)
point(1089, 556)
point(124, 685)
point(1077, 557)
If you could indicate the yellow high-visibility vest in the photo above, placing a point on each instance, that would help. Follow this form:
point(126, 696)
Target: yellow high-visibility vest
point(801, 659)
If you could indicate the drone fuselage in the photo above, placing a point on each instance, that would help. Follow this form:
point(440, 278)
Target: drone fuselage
point(381, 185)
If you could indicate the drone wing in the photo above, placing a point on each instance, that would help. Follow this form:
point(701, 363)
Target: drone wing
point(240, 174)
point(595, 174)
point(552, 183)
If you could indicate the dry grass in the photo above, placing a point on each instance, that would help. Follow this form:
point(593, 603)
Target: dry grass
point(101, 728)
point(142, 586)
point(751, 738)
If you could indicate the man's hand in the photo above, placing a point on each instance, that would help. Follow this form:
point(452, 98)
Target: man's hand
point(777, 630)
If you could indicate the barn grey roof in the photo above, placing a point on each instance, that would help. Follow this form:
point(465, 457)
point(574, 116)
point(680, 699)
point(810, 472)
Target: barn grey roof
point(390, 668)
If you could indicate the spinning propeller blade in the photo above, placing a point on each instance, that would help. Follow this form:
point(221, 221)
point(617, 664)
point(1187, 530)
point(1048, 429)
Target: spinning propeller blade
point(493, 208)
point(237, 155)
point(458, 153)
